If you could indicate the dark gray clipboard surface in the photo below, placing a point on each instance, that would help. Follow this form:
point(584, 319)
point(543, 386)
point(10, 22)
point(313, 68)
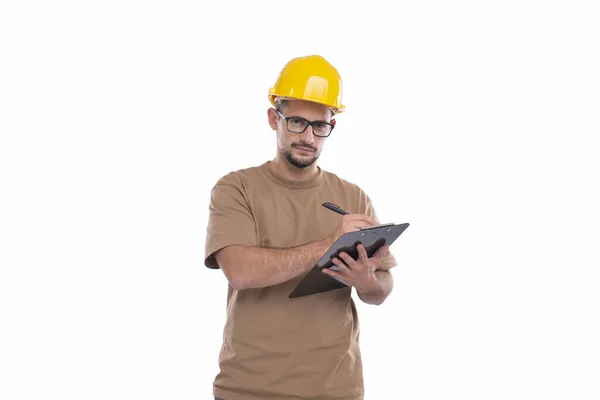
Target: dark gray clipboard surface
point(372, 238)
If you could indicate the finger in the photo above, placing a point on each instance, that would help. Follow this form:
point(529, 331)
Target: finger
point(347, 259)
point(365, 218)
point(362, 253)
point(369, 220)
point(361, 224)
point(329, 272)
point(341, 264)
point(373, 221)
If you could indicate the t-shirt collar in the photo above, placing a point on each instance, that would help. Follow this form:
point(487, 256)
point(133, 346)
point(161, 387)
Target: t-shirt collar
point(292, 184)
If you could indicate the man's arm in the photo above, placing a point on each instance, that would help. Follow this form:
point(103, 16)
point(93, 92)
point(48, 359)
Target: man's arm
point(380, 290)
point(247, 267)
point(253, 267)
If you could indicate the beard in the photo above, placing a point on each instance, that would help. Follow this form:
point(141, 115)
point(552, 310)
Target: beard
point(299, 162)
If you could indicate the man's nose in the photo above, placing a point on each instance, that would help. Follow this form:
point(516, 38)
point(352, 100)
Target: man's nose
point(307, 136)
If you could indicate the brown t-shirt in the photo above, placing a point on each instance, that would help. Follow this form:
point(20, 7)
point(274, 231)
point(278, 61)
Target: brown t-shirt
point(274, 347)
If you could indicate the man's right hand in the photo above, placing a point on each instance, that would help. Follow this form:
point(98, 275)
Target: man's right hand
point(351, 223)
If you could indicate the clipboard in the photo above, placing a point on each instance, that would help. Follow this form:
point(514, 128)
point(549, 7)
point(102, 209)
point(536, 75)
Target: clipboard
point(372, 238)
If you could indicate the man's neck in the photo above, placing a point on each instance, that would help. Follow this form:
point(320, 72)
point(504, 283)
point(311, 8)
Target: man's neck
point(284, 169)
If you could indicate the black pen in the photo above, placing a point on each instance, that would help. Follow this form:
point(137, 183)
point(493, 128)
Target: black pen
point(333, 207)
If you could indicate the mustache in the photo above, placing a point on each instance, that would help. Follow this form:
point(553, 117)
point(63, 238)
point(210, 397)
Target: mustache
point(304, 146)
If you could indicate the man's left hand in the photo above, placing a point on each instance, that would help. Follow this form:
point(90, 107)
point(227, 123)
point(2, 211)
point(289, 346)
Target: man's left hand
point(359, 273)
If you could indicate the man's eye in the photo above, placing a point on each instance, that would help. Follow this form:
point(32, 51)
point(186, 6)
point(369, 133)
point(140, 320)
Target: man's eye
point(296, 121)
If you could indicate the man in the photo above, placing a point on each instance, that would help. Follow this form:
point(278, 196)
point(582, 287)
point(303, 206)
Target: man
point(267, 228)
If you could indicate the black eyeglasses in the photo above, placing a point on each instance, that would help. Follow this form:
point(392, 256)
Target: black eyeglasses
point(299, 125)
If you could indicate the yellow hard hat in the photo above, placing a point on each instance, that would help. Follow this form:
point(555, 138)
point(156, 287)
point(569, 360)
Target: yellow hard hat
point(310, 78)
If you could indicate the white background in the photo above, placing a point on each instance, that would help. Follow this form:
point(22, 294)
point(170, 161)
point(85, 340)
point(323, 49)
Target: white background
point(476, 122)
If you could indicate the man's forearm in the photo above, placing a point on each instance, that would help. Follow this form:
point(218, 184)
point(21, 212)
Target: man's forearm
point(380, 290)
point(255, 267)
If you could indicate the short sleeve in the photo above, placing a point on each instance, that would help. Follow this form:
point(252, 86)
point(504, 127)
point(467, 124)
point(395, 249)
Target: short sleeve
point(388, 261)
point(230, 220)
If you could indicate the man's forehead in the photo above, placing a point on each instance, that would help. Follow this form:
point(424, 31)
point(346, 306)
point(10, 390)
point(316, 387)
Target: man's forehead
point(309, 109)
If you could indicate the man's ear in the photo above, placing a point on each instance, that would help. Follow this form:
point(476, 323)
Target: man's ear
point(272, 115)
point(333, 122)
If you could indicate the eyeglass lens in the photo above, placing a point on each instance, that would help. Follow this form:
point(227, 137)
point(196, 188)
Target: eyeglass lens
point(298, 125)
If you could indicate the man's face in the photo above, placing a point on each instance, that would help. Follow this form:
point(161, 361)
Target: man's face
point(300, 149)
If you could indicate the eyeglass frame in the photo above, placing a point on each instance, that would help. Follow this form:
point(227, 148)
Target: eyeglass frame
point(308, 123)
